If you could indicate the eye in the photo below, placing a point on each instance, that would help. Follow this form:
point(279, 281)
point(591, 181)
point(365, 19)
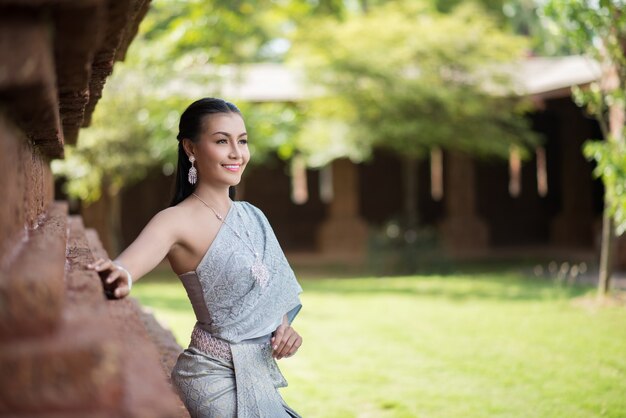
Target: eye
point(221, 141)
point(243, 141)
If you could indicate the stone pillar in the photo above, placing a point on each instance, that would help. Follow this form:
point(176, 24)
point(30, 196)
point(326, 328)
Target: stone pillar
point(462, 230)
point(344, 232)
point(573, 226)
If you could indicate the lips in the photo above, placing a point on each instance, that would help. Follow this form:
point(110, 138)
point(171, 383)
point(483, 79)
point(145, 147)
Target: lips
point(231, 167)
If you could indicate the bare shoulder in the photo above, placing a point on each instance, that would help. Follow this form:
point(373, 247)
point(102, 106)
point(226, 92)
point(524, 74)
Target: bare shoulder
point(167, 215)
point(183, 222)
point(168, 220)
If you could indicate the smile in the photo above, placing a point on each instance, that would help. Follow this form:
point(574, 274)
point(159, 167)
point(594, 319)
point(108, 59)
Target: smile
point(231, 167)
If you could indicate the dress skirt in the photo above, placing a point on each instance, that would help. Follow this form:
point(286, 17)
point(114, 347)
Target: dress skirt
point(207, 386)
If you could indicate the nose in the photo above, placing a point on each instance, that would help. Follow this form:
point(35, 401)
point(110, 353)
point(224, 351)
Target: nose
point(235, 152)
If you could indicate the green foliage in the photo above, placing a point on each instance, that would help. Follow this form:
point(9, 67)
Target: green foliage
point(324, 134)
point(527, 17)
point(592, 27)
point(224, 32)
point(495, 7)
point(610, 157)
point(229, 32)
point(271, 127)
point(410, 78)
point(598, 29)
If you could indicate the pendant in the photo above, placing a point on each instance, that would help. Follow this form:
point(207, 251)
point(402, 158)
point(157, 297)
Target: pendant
point(260, 273)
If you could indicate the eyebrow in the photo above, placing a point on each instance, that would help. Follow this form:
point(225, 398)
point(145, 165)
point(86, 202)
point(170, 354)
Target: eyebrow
point(227, 134)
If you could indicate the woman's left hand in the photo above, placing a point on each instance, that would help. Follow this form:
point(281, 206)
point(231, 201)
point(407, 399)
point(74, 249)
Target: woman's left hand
point(285, 341)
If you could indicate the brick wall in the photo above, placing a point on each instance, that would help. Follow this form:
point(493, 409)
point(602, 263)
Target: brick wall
point(65, 350)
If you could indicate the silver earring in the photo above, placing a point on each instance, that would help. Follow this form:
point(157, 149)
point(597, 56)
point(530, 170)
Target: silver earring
point(192, 176)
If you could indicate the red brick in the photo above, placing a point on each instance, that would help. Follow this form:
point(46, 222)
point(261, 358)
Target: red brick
point(26, 186)
point(33, 289)
point(27, 80)
point(144, 367)
point(78, 368)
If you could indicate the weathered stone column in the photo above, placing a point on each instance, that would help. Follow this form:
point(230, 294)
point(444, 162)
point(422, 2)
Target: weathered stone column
point(462, 231)
point(344, 232)
point(65, 350)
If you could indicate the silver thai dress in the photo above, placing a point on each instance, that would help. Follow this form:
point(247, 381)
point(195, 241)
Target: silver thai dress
point(228, 369)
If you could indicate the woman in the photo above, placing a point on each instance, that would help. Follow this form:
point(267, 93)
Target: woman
point(242, 290)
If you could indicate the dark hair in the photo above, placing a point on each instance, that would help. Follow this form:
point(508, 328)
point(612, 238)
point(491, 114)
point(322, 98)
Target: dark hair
point(190, 127)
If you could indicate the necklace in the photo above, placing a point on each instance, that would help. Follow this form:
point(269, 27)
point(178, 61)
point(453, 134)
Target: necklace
point(259, 271)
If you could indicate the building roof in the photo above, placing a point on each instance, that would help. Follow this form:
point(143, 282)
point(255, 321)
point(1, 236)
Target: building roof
point(264, 82)
point(554, 76)
point(261, 82)
point(541, 77)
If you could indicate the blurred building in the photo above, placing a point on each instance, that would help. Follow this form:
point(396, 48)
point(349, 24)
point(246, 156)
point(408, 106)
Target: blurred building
point(65, 350)
point(544, 205)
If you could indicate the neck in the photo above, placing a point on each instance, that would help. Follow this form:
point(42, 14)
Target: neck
point(216, 197)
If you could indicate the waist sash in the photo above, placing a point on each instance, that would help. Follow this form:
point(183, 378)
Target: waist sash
point(257, 375)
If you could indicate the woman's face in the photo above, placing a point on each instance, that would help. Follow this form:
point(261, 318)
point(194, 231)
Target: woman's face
point(222, 150)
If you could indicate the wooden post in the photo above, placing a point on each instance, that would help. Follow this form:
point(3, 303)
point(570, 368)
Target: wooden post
point(462, 231)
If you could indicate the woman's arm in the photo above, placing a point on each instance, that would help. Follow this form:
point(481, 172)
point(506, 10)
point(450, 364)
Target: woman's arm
point(144, 254)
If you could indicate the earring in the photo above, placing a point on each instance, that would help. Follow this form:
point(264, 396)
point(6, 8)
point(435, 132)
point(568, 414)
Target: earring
point(192, 176)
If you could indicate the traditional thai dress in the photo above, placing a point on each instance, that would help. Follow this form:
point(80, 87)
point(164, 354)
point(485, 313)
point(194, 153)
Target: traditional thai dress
point(228, 369)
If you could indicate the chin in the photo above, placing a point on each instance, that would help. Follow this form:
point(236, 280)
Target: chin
point(234, 182)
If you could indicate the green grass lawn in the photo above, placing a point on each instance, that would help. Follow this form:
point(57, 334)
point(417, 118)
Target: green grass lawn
point(494, 344)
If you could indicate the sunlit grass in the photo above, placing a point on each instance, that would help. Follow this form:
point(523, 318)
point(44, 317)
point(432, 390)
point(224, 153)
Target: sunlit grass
point(494, 344)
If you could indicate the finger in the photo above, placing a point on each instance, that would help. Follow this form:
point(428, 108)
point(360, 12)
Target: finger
point(295, 347)
point(288, 345)
point(113, 276)
point(278, 337)
point(121, 291)
point(103, 265)
point(279, 343)
point(286, 336)
point(282, 352)
point(107, 264)
point(95, 263)
point(117, 289)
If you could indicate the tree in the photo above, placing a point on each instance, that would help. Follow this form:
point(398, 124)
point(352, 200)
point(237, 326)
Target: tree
point(228, 32)
point(598, 29)
point(410, 78)
point(527, 18)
